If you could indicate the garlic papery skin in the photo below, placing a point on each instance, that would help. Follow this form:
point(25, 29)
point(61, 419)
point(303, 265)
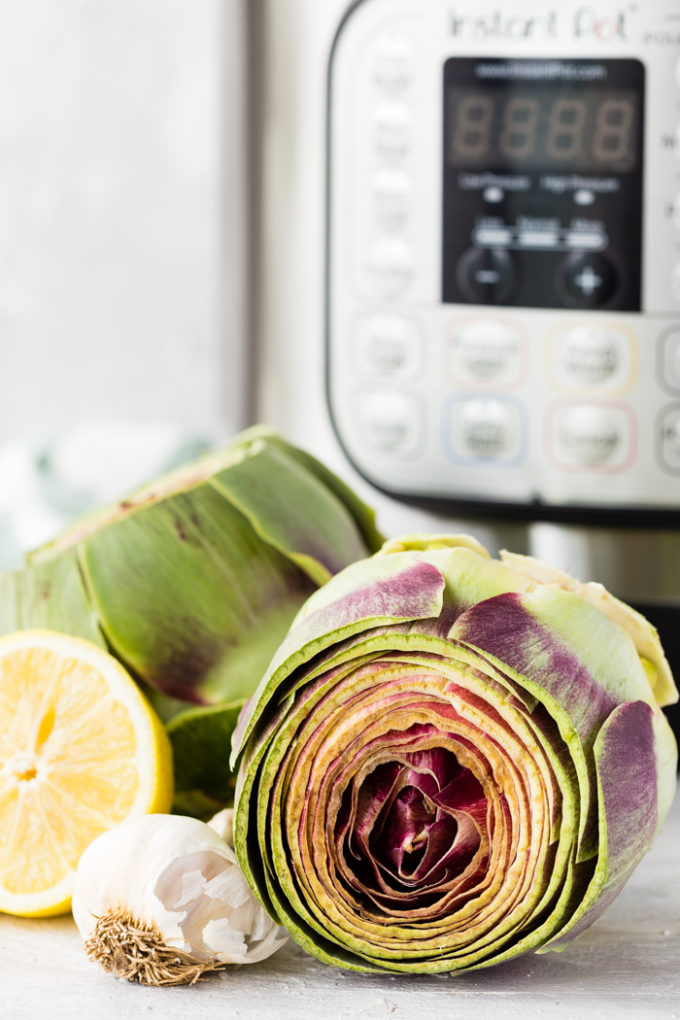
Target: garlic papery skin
point(161, 899)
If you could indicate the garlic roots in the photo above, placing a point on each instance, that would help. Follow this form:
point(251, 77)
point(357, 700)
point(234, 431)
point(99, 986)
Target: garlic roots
point(161, 900)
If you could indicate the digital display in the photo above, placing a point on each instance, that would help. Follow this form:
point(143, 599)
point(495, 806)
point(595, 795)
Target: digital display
point(585, 126)
point(542, 181)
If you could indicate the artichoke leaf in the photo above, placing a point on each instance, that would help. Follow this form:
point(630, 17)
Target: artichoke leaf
point(188, 596)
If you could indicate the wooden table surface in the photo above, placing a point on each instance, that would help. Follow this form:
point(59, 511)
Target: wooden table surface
point(626, 965)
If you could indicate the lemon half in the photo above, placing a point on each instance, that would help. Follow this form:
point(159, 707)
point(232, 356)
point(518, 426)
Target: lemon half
point(80, 751)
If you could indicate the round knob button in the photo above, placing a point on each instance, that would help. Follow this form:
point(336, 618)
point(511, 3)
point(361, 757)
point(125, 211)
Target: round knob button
point(391, 421)
point(486, 275)
point(389, 345)
point(589, 434)
point(588, 280)
point(485, 428)
point(486, 350)
point(591, 355)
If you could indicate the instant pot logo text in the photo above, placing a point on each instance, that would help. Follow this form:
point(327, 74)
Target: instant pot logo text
point(586, 22)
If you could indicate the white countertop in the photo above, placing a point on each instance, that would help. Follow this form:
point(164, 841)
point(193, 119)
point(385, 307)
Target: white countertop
point(626, 965)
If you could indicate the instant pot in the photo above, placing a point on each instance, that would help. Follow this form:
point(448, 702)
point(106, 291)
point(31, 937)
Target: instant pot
point(467, 271)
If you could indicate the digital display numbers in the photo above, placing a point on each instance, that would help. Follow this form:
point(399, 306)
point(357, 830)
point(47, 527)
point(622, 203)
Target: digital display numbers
point(590, 128)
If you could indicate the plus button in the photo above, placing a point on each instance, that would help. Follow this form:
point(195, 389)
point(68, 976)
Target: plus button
point(588, 279)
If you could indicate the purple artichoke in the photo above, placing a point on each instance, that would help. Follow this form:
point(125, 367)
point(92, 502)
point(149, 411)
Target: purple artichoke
point(452, 760)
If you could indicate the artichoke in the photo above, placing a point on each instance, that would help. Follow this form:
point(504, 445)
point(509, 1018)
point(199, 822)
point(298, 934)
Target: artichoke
point(193, 581)
point(451, 760)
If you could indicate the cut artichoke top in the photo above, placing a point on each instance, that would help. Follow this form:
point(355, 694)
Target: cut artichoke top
point(193, 580)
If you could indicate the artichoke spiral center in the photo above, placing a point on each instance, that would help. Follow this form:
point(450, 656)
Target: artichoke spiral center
point(412, 826)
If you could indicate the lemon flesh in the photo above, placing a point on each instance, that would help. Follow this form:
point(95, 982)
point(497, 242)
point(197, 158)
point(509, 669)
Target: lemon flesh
point(80, 751)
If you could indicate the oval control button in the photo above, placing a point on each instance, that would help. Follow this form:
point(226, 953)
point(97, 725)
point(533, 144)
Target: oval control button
point(670, 359)
point(390, 266)
point(392, 62)
point(392, 129)
point(485, 428)
point(675, 281)
point(389, 345)
point(669, 434)
point(675, 211)
point(391, 197)
point(391, 421)
point(589, 435)
point(590, 355)
point(483, 350)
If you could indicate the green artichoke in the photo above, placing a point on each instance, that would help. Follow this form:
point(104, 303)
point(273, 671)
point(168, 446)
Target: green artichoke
point(193, 581)
point(451, 760)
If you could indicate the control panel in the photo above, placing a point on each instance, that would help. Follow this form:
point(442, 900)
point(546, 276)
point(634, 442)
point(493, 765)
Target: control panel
point(503, 306)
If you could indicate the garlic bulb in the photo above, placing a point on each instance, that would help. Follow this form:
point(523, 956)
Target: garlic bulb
point(161, 899)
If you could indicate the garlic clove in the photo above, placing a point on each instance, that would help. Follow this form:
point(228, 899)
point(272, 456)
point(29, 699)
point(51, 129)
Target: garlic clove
point(223, 824)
